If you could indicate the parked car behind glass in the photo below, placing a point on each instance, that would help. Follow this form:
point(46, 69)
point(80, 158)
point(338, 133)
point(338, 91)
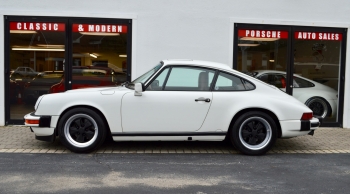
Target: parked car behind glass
point(23, 72)
point(321, 99)
point(40, 85)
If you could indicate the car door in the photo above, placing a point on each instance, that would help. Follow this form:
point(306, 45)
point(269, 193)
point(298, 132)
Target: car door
point(177, 100)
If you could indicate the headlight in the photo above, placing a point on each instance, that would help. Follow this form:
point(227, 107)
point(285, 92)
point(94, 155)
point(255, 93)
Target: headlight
point(38, 102)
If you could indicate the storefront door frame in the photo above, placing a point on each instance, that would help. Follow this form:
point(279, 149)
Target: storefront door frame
point(290, 57)
point(68, 50)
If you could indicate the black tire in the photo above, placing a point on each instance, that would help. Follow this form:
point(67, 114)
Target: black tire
point(319, 106)
point(82, 130)
point(253, 133)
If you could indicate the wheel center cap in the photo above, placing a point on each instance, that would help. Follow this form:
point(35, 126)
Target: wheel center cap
point(81, 130)
point(254, 132)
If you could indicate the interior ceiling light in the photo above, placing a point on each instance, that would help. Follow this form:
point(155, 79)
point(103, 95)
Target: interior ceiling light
point(122, 55)
point(92, 55)
point(259, 39)
point(36, 49)
point(80, 55)
point(248, 44)
point(271, 60)
point(23, 31)
point(100, 33)
point(51, 45)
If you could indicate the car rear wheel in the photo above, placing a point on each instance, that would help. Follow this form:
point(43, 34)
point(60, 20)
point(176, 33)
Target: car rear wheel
point(254, 133)
point(82, 130)
point(318, 106)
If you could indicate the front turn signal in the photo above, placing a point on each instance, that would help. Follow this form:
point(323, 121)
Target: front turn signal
point(32, 122)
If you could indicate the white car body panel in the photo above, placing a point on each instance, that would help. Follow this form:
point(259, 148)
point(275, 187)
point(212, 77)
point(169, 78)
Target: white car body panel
point(179, 111)
point(109, 105)
point(220, 114)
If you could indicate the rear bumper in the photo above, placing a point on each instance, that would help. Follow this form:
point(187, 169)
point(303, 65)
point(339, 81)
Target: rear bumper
point(293, 128)
point(43, 130)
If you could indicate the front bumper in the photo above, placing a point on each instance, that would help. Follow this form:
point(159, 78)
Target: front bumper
point(41, 126)
point(293, 128)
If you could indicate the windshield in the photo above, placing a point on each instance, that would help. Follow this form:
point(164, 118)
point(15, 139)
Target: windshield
point(253, 74)
point(143, 78)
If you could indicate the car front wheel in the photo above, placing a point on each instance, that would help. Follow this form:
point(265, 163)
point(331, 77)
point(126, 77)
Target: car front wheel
point(254, 133)
point(81, 130)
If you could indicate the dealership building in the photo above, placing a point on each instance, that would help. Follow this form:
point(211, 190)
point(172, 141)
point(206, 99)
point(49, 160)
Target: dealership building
point(53, 46)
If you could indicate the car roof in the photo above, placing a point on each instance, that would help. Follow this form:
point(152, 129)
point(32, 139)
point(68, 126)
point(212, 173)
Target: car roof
point(284, 73)
point(197, 62)
point(269, 71)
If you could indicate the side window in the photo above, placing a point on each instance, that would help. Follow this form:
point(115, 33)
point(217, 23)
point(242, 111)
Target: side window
point(248, 85)
point(277, 80)
point(30, 70)
point(189, 79)
point(228, 82)
point(264, 78)
point(280, 81)
point(157, 83)
point(301, 83)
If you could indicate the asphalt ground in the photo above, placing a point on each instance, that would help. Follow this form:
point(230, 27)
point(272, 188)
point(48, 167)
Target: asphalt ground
point(174, 173)
point(19, 139)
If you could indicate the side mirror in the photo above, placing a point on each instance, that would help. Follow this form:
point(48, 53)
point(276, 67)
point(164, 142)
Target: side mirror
point(138, 89)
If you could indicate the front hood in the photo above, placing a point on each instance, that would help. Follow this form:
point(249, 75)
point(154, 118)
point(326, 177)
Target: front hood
point(98, 89)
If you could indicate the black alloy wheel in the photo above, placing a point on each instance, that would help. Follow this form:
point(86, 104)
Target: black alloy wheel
point(254, 133)
point(318, 106)
point(82, 130)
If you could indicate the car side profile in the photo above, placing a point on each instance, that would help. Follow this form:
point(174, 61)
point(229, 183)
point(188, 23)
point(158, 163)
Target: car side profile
point(20, 72)
point(177, 100)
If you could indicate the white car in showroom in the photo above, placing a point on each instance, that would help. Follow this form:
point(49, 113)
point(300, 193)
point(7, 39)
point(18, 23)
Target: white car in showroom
point(321, 99)
point(177, 100)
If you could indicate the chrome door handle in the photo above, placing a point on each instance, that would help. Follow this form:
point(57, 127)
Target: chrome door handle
point(202, 99)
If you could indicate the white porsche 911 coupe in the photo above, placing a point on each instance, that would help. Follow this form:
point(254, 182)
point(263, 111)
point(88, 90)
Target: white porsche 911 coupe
point(177, 100)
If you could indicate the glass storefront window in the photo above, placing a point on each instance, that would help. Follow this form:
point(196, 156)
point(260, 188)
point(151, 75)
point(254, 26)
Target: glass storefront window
point(317, 58)
point(42, 56)
point(37, 52)
point(261, 50)
point(99, 55)
point(306, 65)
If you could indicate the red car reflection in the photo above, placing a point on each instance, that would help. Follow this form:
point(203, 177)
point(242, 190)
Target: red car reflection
point(91, 76)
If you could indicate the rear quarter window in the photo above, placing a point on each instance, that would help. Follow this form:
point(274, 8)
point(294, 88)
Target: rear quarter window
point(229, 82)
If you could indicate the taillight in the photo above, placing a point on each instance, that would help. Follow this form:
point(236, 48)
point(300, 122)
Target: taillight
point(307, 116)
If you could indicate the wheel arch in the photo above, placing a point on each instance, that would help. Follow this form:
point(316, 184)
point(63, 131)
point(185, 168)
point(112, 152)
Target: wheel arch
point(88, 107)
point(270, 113)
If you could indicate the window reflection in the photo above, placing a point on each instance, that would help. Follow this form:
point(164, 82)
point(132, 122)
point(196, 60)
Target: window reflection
point(36, 63)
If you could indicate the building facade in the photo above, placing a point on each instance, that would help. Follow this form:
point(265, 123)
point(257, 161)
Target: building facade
point(53, 46)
